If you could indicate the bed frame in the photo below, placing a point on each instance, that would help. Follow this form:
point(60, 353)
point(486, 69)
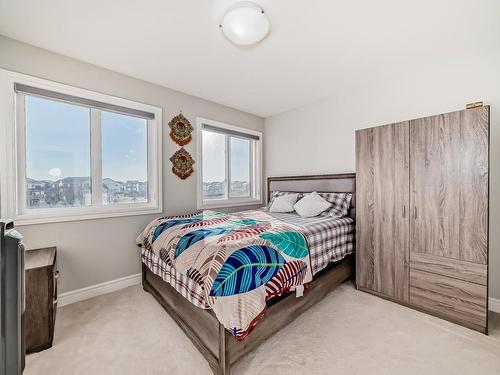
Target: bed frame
point(222, 350)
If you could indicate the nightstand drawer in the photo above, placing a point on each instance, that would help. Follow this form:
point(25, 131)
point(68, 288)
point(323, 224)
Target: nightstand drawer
point(41, 298)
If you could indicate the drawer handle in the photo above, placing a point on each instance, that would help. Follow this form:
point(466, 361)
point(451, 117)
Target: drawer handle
point(54, 302)
point(56, 274)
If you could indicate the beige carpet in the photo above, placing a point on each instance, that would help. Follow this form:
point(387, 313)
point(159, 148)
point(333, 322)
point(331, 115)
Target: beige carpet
point(350, 332)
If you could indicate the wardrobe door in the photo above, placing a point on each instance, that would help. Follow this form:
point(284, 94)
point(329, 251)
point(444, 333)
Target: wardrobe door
point(382, 220)
point(449, 225)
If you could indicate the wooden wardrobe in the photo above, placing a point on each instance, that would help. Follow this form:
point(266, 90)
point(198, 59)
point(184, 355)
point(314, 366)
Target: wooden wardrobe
point(422, 214)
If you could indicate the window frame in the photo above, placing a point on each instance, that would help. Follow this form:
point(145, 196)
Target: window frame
point(13, 159)
point(255, 167)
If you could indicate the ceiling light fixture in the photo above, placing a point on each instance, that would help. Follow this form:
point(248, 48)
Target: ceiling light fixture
point(245, 23)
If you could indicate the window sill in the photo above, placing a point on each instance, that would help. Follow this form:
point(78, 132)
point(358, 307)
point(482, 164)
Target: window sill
point(32, 219)
point(227, 204)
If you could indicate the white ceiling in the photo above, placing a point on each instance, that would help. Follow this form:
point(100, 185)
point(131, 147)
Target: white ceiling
point(316, 48)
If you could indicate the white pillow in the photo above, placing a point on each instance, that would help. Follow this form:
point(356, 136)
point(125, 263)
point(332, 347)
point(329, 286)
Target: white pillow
point(311, 205)
point(284, 203)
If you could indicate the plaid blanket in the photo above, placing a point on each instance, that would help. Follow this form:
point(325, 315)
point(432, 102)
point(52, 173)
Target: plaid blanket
point(330, 239)
point(233, 263)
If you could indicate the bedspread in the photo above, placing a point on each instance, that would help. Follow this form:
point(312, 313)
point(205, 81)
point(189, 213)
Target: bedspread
point(234, 262)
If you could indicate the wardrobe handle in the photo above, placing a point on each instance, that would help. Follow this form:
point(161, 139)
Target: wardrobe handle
point(415, 212)
point(404, 211)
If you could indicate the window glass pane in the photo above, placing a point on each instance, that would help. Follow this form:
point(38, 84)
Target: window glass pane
point(240, 167)
point(57, 154)
point(214, 165)
point(124, 159)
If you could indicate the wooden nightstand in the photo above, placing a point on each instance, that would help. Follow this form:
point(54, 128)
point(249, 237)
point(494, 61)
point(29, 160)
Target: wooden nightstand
point(41, 298)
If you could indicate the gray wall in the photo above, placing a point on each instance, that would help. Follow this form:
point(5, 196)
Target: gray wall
point(95, 251)
point(319, 138)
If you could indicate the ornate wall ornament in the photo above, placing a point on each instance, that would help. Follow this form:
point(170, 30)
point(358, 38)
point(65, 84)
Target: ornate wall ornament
point(182, 163)
point(180, 130)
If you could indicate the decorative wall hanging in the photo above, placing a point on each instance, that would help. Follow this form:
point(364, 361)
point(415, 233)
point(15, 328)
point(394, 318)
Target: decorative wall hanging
point(182, 163)
point(180, 130)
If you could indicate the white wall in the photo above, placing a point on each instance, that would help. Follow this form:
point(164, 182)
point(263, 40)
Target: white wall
point(319, 138)
point(95, 251)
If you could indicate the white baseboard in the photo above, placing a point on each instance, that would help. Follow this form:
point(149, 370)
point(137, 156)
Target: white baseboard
point(124, 282)
point(97, 290)
point(494, 305)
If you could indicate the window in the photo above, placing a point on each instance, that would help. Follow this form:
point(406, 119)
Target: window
point(124, 159)
point(57, 154)
point(230, 170)
point(79, 154)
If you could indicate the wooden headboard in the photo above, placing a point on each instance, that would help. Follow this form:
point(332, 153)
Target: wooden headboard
point(327, 183)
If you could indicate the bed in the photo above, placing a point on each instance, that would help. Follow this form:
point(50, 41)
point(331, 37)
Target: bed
point(202, 316)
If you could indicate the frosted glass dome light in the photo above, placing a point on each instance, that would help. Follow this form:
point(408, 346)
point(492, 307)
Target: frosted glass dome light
point(245, 23)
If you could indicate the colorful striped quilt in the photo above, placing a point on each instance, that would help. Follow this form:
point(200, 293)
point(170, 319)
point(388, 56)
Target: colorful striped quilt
point(238, 261)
